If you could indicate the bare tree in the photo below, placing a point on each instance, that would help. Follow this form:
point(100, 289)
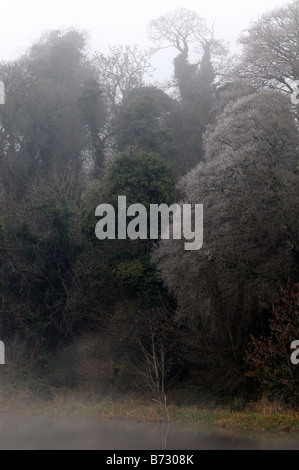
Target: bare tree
point(184, 29)
point(177, 29)
point(153, 366)
point(122, 70)
point(271, 49)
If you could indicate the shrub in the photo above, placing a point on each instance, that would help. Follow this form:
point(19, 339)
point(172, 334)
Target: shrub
point(268, 358)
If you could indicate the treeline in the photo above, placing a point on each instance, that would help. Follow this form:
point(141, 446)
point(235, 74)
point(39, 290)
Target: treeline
point(79, 129)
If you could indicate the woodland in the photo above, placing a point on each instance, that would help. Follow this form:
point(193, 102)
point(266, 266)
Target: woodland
point(80, 128)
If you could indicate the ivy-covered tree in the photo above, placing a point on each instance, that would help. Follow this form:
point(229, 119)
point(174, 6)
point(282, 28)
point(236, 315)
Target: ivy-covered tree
point(186, 31)
point(143, 178)
point(42, 129)
point(143, 122)
point(93, 108)
point(37, 278)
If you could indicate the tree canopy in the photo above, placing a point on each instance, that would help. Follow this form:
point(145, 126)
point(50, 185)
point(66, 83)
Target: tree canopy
point(78, 129)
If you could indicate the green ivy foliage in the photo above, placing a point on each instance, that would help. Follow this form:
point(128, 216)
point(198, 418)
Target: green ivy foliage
point(143, 178)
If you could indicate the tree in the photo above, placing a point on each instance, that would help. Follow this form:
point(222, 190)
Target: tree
point(143, 122)
point(37, 273)
point(154, 368)
point(123, 70)
point(93, 108)
point(247, 188)
point(44, 143)
point(189, 34)
point(121, 268)
point(191, 116)
point(143, 178)
point(149, 120)
point(177, 29)
point(117, 289)
point(268, 358)
point(270, 49)
point(42, 125)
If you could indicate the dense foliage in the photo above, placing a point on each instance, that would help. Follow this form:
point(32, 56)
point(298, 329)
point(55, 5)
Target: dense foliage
point(78, 130)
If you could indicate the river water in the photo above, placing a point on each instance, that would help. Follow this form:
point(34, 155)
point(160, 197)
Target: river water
point(46, 433)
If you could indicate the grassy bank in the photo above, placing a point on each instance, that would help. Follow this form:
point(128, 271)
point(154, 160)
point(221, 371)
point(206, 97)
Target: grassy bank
point(261, 416)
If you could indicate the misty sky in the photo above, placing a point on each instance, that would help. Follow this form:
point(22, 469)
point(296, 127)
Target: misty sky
point(113, 22)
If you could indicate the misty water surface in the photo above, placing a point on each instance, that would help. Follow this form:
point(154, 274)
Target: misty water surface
point(46, 433)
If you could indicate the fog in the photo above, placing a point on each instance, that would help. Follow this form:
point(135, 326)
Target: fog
point(47, 433)
point(118, 22)
point(83, 125)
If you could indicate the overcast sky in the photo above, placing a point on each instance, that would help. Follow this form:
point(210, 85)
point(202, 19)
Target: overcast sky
point(113, 22)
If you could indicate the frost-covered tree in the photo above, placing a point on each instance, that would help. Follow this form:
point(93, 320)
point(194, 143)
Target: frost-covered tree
point(248, 187)
point(270, 49)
